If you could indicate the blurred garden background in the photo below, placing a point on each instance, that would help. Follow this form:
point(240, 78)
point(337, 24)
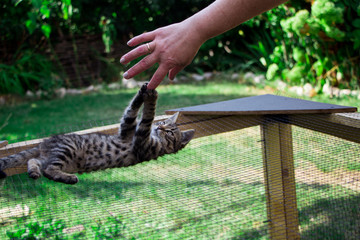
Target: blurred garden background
point(52, 50)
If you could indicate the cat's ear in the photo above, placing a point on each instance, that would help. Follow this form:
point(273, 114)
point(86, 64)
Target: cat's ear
point(186, 136)
point(173, 118)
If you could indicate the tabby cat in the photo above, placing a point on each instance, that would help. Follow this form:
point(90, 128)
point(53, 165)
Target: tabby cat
point(58, 157)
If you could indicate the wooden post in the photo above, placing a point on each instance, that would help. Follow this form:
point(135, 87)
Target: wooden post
point(280, 180)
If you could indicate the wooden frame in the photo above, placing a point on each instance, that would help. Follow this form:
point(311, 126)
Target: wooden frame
point(279, 178)
point(277, 153)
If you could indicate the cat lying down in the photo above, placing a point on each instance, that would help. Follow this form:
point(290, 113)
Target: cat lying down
point(58, 157)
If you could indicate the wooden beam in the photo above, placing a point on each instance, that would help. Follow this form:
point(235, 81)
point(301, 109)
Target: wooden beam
point(279, 177)
point(342, 125)
point(206, 125)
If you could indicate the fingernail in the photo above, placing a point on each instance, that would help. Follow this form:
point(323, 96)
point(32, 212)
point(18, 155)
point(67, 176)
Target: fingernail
point(126, 75)
point(122, 60)
point(129, 42)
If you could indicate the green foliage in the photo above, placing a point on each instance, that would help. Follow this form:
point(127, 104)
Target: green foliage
point(34, 230)
point(302, 37)
point(43, 11)
point(315, 42)
point(30, 71)
point(272, 70)
point(111, 229)
point(108, 32)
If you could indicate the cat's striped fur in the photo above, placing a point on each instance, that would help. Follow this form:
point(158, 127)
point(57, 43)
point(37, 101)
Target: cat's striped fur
point(58, 157)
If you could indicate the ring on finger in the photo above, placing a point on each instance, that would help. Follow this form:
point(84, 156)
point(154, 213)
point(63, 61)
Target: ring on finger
point(148, 48)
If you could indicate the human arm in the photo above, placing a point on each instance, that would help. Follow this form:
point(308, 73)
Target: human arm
point(175, 46)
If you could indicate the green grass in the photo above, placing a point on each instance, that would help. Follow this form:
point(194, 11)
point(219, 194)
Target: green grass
point(213, 189)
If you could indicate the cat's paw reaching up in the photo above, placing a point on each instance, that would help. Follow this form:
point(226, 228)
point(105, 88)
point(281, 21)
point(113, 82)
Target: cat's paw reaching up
point(143, 88)
point(150, 95)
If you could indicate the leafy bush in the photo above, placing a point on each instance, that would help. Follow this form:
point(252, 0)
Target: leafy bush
point(315, 42)
point(301, 41)
point(29, 72)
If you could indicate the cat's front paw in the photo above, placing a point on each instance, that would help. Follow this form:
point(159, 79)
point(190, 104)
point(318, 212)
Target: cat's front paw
point(150, 95)
point(143, 88)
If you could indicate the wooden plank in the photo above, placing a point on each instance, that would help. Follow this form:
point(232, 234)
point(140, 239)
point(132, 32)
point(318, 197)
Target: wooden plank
point(288, 177)
point(21, 146)
point(344, 126)
point(261, 105)
point(280, 180)
point(273, 181)
point(209, 125)
point(346, 119)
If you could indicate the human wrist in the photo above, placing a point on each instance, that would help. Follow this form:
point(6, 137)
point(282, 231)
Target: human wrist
point(196, 33)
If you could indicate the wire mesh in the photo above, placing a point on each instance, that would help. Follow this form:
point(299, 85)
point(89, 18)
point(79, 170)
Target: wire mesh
point(327, 177)
point(213, 189)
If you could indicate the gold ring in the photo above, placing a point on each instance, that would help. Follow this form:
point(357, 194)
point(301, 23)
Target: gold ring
point(148, 47)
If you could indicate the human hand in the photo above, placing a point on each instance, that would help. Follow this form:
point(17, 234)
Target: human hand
point(173, 47)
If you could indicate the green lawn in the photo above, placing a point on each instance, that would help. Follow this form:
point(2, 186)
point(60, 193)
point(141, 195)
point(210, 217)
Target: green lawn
point(213, 189)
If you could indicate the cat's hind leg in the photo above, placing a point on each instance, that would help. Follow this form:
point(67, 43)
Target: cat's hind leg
point(54, 172)
point(34, 168)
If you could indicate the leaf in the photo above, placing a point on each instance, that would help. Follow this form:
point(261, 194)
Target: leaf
point(356, 23)
point(356, 34)
point(17, 2)
point(65, 12)
point(45, 11)
point(46, 29)
point(37, 3)
point(357, 45)
point(30, 25)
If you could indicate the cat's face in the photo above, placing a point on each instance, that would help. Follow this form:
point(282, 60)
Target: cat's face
point(172, 138)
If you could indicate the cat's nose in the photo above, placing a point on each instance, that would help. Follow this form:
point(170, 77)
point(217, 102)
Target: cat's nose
point(161, 127)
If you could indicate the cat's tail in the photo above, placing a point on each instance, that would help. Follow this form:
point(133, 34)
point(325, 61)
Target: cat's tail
point(17, 159)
